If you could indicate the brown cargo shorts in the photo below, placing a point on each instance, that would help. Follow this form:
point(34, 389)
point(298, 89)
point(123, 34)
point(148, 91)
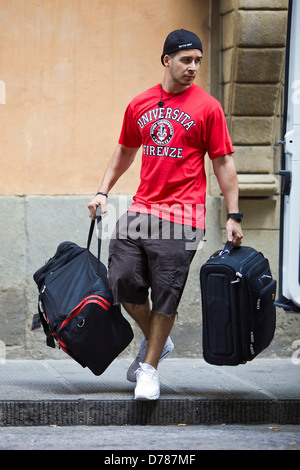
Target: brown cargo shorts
point(149, 253)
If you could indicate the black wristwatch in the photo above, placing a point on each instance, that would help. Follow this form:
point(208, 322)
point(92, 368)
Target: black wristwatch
point(235, 215)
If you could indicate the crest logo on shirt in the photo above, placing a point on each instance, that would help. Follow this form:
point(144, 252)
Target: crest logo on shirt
point(162, 132)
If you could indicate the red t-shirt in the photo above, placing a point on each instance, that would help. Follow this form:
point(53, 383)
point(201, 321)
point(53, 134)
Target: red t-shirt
point(175, 139)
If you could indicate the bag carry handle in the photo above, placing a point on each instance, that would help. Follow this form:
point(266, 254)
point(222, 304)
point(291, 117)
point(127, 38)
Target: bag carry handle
point(90, 233)
point(99, 223)
point(227, 248)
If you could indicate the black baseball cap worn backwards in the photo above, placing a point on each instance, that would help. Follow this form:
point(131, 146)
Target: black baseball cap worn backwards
point(181, 39)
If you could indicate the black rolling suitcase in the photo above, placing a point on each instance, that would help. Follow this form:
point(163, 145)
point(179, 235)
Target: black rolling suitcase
point(76, 307)
point(238, 311)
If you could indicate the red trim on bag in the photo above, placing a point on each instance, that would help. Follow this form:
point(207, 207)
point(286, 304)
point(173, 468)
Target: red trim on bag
point(105, 301)
point(96, 299)
point(62, 345)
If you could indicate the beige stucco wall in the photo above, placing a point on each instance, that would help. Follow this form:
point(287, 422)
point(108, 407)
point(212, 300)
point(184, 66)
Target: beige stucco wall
point(70, 68)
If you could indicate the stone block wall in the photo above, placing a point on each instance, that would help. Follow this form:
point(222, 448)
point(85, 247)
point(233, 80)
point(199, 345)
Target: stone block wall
point(251, 73)
point(252, 54)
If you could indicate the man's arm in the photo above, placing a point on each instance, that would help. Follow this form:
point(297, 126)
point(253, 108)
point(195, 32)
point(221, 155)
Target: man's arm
point(225, 171)
point(121, 160)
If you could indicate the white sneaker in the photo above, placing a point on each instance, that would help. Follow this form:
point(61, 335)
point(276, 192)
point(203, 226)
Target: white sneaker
point(168, 348)
point(147, 387)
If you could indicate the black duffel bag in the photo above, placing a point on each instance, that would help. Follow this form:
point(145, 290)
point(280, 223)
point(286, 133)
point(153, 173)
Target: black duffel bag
point(76, 307)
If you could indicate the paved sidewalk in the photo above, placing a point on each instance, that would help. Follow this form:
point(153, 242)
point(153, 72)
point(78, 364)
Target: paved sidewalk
point(61, 392)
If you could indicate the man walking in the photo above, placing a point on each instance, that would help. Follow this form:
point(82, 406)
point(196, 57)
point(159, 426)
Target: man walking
point(176, 123)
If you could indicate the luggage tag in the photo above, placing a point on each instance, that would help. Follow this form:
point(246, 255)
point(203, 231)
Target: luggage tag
point(36, 322)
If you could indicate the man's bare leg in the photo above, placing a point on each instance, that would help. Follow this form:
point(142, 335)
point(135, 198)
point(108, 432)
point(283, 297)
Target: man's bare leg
point(160, 328)
point(155, 326)
point(141, 314)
